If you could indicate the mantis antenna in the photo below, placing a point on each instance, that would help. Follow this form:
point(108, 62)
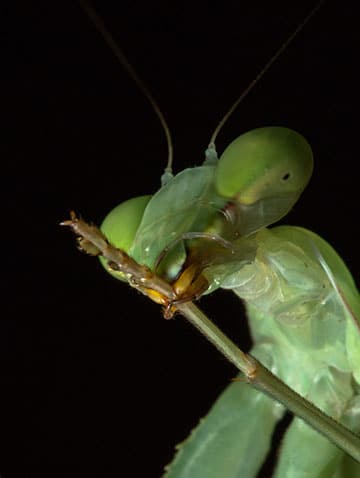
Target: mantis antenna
point(100, 27)
point(262, 72)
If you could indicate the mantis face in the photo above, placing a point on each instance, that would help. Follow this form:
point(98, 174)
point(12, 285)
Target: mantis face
point(258, 178)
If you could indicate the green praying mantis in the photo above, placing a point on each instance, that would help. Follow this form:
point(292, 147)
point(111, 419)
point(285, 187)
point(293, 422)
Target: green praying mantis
point(207, 228)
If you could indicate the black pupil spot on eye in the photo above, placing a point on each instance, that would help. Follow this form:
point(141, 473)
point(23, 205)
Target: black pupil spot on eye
point(286, 176)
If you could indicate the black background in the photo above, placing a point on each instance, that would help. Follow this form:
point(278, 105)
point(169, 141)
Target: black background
point(94, 381)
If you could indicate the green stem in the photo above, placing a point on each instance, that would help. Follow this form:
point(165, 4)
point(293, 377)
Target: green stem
point(226, 346)
point(262, 379)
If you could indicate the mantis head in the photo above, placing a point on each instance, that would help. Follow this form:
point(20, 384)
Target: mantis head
point(263, 172)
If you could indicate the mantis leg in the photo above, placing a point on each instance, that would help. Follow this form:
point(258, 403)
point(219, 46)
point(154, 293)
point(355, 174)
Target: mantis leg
point(305, 453)
point(233, 440)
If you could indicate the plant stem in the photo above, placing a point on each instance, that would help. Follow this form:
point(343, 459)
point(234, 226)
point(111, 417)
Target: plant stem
point(262, 379)
point(231, 351)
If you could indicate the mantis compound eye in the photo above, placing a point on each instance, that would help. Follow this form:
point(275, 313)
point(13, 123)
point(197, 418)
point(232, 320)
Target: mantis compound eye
point(268, 167)
point(121, 224)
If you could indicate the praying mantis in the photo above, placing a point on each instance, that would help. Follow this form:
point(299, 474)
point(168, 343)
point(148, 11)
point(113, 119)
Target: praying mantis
point(319, 257)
